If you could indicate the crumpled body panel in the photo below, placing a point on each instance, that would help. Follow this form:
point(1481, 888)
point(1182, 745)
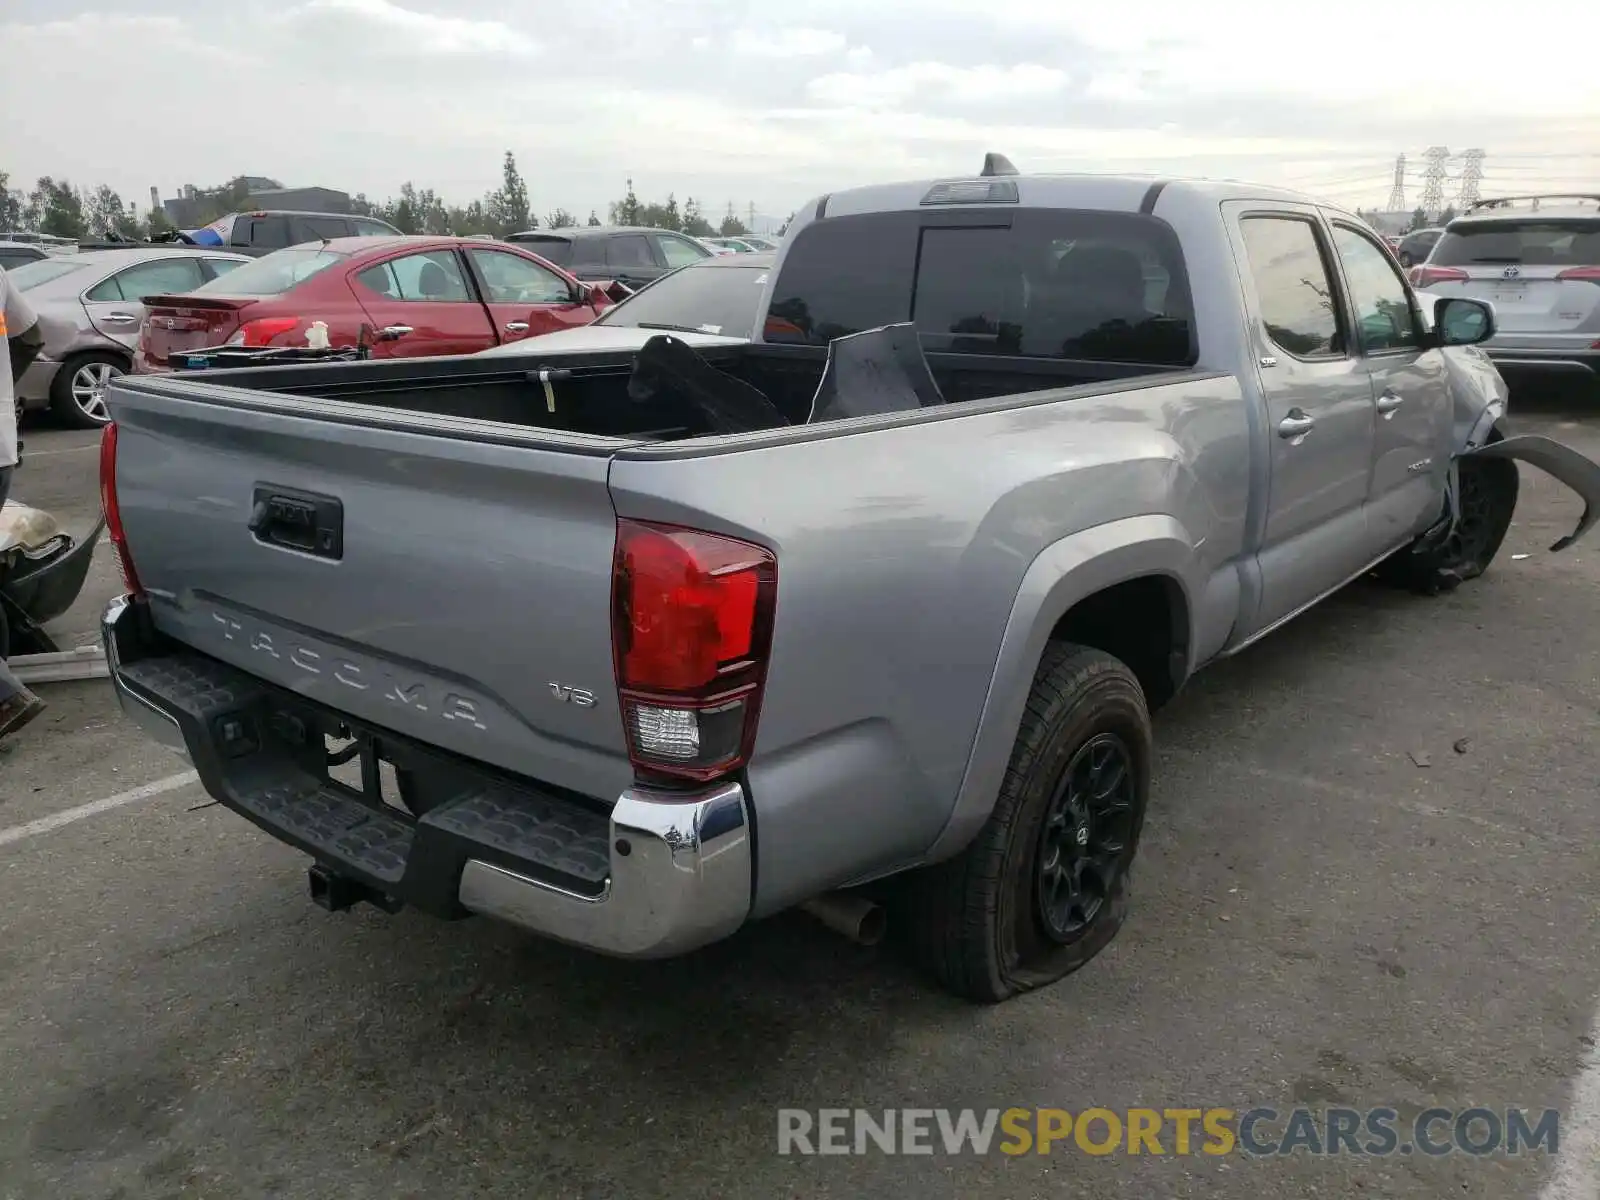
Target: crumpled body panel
point(1577, 471)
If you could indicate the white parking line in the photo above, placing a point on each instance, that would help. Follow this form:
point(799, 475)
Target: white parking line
point(1577, 1173)
point(56, 820)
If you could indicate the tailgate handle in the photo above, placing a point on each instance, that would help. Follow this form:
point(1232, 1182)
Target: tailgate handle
point(295, 520)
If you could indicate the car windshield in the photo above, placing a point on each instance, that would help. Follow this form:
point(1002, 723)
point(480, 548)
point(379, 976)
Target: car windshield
point(722, 299)
point(274, 274)
point(1533, 242)
point(31, 275)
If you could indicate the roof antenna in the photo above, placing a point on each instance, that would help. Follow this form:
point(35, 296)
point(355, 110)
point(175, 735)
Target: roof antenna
point(997, 164)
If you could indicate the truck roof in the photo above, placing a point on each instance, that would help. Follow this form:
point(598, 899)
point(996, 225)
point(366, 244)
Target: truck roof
point(1115, 193)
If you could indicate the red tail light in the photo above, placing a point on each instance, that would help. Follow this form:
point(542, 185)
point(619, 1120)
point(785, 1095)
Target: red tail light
point(1425, 277)
point(691, 619)
point(1586, 274)
point(113, 511)
point(262, 330)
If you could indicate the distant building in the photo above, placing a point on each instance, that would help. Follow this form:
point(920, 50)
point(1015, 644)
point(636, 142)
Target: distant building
point(190, 208)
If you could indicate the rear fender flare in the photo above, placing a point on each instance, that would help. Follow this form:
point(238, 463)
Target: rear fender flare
point(1064, 573)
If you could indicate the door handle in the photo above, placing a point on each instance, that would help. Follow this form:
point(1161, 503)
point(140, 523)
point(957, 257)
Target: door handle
point(1388, 402)
point(516, 327)
point(390, 333)
point(1295, 426)
point(120, 318)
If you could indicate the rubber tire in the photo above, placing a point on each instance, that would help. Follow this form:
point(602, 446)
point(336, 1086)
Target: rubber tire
point(1445, 568)
point(962, 915)
point(62, 406)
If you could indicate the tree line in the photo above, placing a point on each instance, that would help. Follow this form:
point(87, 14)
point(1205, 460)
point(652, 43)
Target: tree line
point(57, 207)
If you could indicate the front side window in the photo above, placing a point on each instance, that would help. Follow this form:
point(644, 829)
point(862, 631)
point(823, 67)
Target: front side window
point(175, 275)
point(511, 279)
point(1293, 286)
point(1383, 306)
point(431, 277)
point(1039, 283)
point(680, 253)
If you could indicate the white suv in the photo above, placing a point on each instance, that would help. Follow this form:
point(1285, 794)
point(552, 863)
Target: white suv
point(1537, 260)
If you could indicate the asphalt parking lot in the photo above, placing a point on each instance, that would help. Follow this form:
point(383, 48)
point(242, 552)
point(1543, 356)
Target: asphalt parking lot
point(1367, 880)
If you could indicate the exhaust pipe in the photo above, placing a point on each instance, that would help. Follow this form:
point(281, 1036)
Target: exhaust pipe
point(858, 919)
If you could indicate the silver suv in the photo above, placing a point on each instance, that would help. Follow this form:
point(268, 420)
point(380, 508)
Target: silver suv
point(1537, 260)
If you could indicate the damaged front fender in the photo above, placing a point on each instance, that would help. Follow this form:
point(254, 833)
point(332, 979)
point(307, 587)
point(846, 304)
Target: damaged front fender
point(1577, 471)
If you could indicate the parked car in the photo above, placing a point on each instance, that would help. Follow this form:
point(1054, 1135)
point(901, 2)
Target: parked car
point(659, 641)
point(262, 232)
point(14, 254)
point(90, 310)
point(408, 296)
point(737, 245)
point(50, 242)
point(632, 256)
point(1537, 259)
point(1415, 246)
point(718, 299)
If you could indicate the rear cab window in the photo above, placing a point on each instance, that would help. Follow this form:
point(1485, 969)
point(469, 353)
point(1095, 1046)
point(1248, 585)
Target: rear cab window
point(315, 228)
point(1529, 242)
point(1037, 283)
point(274, 274)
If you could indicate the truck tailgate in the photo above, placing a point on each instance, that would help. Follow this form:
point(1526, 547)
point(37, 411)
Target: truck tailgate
point(451, 589)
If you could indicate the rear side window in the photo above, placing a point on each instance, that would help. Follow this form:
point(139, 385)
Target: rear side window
point(1530, 243)
point(629, 250)
point(1293, 285)
point(1054, 283)
point(274, 274)
point(150, 279)
point(10, 259)
point(309, 229)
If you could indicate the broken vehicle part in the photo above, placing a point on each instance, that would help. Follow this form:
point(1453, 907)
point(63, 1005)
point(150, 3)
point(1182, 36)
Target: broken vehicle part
point(874, 372)
point(669, 374)
point(1577, 471)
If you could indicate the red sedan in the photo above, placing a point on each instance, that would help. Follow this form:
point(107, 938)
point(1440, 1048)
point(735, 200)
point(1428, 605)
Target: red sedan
point(407, 296)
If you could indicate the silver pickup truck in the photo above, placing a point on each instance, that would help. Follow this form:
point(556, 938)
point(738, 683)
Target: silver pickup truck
point(630, 646)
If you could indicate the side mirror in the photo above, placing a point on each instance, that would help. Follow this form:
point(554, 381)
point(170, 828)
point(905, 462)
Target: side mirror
point(1463, 322)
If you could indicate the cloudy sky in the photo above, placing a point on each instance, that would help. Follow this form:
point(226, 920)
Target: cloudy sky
point(738, 101)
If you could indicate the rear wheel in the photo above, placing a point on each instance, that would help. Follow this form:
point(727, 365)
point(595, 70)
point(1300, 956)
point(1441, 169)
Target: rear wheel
point(1488, 498)
point(78, 392)
point(1044, 886)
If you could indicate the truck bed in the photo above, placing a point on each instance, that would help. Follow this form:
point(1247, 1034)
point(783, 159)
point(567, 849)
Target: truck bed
point(587, 392)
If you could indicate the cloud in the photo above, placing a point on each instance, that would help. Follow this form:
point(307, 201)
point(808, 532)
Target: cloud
point(384, 26)
point(790, 42)
point(897, 87)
